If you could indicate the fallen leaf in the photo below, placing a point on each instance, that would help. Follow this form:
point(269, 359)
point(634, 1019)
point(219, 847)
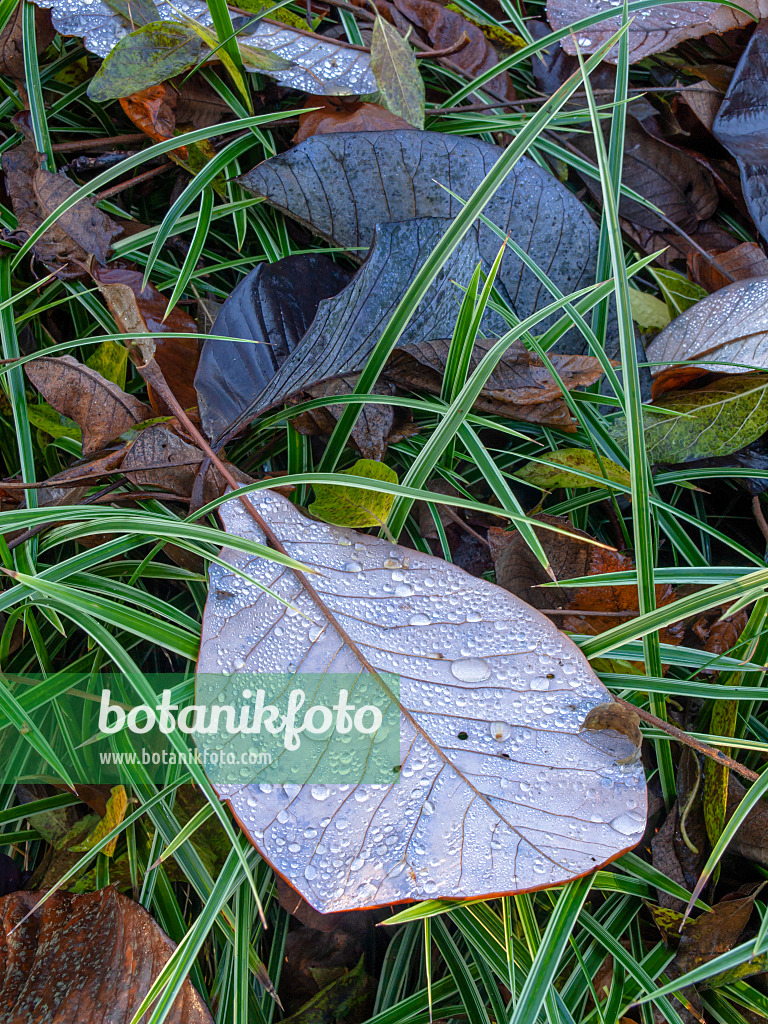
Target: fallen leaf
point(703, 99)
point(742, 127)
point(653, 29)
point(110, 359)
point(12, 41)
point(729, 328)
point(138, 310)
point(145, 57)
point(272, 309)
point(336, 114)
point(751, 839)
point(520, 572)
point(397, 74)
point(53, 969)
point(717, 419)
point(113, 816)
point(681, 187)
point(343, 185)
point(712, 933)
point(744, 261)
point(346, 997)
point(100, 408)
point(521, 387)
point(353, 506)
point(320, 65)
point(647, 311)
point(571, 464)
point(135, 12)
point(153, 110)
point(525, 663)
point(348, 325)
point(617, 718)
point(82, 231)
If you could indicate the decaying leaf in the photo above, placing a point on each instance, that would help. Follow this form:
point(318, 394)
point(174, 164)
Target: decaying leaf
point(113, 816)
point(588, 610)
point(570, 465)
point(741, 124)
point(729, 327)
point(343, 185)
point(348, 326)
point(83, 231)
point(717, 419)
point(100, 408)
point(516, 805)
point(320, 65)
point(618, 718)
point(12, 41)
point(743, 261)
point(751, 839)
point(652, 29)
point(270, 311)
point(90, 957)
point(397, 74)
point(353, 506)
point(335, 114)
point(149, 55)
point(521, 387)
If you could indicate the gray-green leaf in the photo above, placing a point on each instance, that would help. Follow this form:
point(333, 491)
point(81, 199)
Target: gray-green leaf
point(718, 419)
point(135, 12)
point(151, 54)
point(397, 74)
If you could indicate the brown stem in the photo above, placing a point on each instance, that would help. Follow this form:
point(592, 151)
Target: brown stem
point(122, 185)
point(78, 145)
point(460, 43)
point(757, 510)
point(691, 741)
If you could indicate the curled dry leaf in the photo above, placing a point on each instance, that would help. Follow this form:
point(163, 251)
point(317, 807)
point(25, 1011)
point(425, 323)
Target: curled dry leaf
point(740, 263)
point(82, 232)
point(729, 328)
point(520, 387)
point(741, 124)
point(347, 326)
point(620, 719)
point(336, 114)
point(266, 316)
point(320, 65)
point(518, 805)
point(12, 41)
point(589, 610)
point(100, 408)
point(91, 957)
point(653, 29)
point(343, 185)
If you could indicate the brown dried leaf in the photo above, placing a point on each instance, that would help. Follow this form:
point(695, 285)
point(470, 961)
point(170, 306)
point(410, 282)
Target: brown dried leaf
point(620, 719)
point(751, 839)
point(745, 260)
point(153, 110)
point(138, 310)
point(653, 29)
point(520, 387)
point(100, 408)
point(89, 957)
point(339, 114)
point(703, 99)
point(12, 40)
point(519, 571)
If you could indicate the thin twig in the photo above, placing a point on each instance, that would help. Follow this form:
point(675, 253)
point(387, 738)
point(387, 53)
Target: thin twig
point(460, 43)
point(691, 741)
point(757, 509)
point(121, 186)
point(78, 145)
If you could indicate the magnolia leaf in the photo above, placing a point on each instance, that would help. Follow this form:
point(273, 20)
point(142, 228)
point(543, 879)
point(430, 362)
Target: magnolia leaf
point(352, 506)
point(647, 310)
point(147, 56)
point(728, 328)
point(272, 308)
point(318, 65)
point(115, 812)
point(397, 73)
point(499, 789)
point(718, 419)
point(572, 463)
point(348, 326)
point(90, 957)
point(653, 29)
point(343, 185)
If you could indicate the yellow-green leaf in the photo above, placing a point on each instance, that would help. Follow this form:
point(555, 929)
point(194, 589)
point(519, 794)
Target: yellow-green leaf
point(353, 506)
point(647, 310)
point(110, 359)
point(115, 813)
point(397, 74)
point(572, 463)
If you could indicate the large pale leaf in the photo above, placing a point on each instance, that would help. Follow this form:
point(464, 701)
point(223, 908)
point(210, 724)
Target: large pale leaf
point(501, 792)
point(269, 311)
point(717, 419)
point(343, 185)
point(729, 328)
point(347, 326)
point(653, 29)
point(322, 66)
point(741, 124)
